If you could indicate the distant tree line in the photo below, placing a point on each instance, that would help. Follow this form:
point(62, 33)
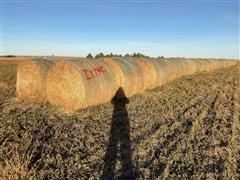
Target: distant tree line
point(8, 56)
point(101, 55)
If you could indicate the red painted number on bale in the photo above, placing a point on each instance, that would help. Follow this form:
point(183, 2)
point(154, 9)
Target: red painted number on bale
point(92, 73)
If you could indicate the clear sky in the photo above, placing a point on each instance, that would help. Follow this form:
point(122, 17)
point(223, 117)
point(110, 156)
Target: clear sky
point(188, 28)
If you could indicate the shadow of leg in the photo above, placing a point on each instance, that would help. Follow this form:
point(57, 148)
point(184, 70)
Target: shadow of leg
point(125, 148)
point(111, 155)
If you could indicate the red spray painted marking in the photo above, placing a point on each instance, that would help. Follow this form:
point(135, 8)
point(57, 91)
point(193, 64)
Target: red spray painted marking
point(92, 73)
point(88, 74)
point(99, 70)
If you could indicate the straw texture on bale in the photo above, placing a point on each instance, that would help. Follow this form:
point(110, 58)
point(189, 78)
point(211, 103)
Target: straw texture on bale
point(165, 70)
point(31, 79)
point(129, 75)
point(80, 83)
point(150, 72)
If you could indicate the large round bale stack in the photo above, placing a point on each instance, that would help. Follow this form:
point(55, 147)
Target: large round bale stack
point(190, 66)
point(225, 63)
point(156, 71)
point(31, 79)
point(80, 83)
point(75, 84)
point(129, 75)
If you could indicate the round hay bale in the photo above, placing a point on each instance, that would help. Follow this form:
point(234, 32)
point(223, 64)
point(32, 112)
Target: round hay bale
point(31, 79)
point(189, 67)
point(80, 83)
point(129, 75)
point(149, 69)
point(162, 71)
point(196, 65)
point(115, 68)
point(174, 68)
point(202, 65)
point(210, 65)
point(170, 68)
point(138, 73)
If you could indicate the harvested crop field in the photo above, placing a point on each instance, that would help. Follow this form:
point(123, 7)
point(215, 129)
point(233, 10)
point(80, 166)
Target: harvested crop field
point(188, 128)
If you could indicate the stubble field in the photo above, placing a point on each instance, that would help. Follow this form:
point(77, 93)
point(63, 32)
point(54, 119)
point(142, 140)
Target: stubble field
point(188, 128)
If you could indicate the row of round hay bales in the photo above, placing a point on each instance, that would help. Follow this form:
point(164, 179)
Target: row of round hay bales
point(74, 84)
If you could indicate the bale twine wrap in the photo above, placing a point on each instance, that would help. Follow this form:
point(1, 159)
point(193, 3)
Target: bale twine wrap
point(31, 79)
point(80, 83)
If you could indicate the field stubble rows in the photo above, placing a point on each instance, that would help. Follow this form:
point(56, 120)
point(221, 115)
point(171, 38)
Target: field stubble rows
point(188, 128)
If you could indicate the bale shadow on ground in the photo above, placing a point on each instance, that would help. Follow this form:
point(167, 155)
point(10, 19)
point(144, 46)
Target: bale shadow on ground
point(119, 145)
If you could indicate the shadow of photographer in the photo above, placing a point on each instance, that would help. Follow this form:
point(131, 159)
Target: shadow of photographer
point(119, 146)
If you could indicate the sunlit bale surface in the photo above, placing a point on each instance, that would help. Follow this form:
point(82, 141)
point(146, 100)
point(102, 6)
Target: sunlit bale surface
point(31, 79)
point(80, 83)
point(74, 84)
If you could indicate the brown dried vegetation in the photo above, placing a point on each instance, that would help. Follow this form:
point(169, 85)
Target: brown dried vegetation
point(188, 128)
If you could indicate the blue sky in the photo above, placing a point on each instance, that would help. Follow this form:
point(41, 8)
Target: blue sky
point(156, 28)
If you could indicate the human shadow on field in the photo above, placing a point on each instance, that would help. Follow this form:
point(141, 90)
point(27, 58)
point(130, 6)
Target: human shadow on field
point(119, 141)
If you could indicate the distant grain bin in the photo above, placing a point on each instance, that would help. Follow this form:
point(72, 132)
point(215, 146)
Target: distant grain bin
point(80, 83)
point(31, 79)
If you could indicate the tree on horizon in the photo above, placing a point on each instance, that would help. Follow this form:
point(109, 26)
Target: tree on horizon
point(89, 56)
point(100, 55)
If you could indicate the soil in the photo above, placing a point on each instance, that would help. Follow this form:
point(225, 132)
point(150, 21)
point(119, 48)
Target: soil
point(187, 129)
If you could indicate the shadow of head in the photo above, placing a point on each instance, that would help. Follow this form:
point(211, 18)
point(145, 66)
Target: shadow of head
point(120, 97)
